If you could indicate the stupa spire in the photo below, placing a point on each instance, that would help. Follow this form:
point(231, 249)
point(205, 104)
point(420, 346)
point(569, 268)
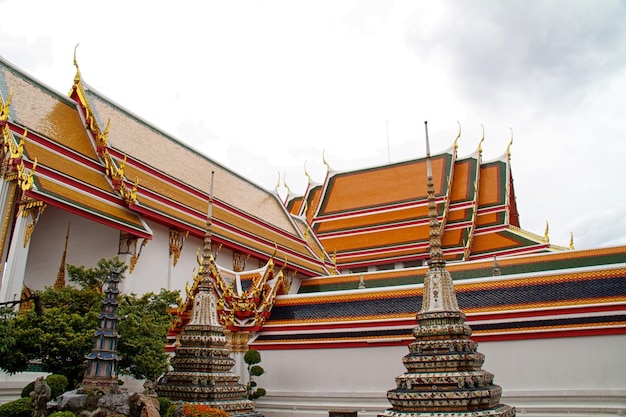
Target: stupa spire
point(202, 363)
point(438, 287)
point(444, 375)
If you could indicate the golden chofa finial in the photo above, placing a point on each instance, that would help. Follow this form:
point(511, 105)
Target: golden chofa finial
point(571, 240)
point(480, 144)
point(546, 234)
point(508, 148)
point(285, 184)
point(324, 160)
point(278, 182)
point(308, 177)
point(77, 76)
point(456, 140)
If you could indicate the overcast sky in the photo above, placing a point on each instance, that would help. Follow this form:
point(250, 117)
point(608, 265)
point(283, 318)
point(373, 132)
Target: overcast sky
point(266, 86)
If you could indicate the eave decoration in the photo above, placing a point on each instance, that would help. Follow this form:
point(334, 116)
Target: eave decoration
point(114, 170)
point(245, 298)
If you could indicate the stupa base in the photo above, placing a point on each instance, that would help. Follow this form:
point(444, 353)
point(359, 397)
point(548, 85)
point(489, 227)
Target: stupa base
point(498, 411)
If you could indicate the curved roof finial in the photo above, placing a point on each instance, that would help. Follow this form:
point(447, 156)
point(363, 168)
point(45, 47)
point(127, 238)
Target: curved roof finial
point(285, 183)
point(546, 233)
point(480, 144)
point(77, 76)
point(307, 173)
point(324, 160)
point(571, 240)
point(508, 148)
point(278, 183)
point(456, 140)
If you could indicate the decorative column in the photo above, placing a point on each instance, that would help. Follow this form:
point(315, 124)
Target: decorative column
point(13, 279)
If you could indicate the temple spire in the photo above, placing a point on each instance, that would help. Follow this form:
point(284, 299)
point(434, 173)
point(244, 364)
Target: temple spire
point(444, 374)
point(60, 281)
point(436, 255)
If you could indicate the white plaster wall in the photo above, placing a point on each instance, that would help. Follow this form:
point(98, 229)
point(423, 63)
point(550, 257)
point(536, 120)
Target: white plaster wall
point(152, 268)
point(544, 377)
point(88, 242)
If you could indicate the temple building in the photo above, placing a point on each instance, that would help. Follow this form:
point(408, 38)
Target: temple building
point(325, 284)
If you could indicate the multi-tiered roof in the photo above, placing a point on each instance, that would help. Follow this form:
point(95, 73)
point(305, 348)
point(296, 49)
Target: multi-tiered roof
point(378, 215)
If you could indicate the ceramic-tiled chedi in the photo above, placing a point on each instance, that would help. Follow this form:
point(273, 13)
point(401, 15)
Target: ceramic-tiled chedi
point(202, 365)
point(444, 369)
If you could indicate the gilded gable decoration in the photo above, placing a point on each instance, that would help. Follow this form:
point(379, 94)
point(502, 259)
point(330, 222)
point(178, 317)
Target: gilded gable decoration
point(128, 246)
point(26, 179)
point(34, 209)
point(239, 261)
point(12, 153)
point(25, 306)
point(114, 171)
point(177, 240)
point(4, 109)
point(215, 249)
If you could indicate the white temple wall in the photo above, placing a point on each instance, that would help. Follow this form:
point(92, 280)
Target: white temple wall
point(542, 377)
point(88, 242)
point(153, 267)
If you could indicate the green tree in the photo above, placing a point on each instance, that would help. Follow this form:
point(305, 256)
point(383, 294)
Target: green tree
point(63, 334)
point(252, 358)
point(95, 278)
point(143, 326)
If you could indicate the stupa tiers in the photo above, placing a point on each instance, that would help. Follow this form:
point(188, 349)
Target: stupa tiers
point(102, 362)
point(444, 375)
point(202, 365)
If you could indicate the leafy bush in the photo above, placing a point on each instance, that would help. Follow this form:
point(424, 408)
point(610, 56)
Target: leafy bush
point(62, 414)
point(27, 389)
point(57, 383)
point(17, 408)
point(251, 358)
point(164, 405)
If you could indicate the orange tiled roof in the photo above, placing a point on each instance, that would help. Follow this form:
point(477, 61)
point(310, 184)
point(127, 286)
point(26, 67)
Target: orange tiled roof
point(380, 215)
point(69, 173)
point(173, 187)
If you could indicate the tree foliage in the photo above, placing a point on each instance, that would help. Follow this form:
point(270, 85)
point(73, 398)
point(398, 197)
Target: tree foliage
point(143, 327)
point(252, 358)
point(63, 334)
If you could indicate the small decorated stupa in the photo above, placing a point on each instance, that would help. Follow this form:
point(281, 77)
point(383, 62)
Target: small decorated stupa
point(444, 369)
point(202, 365)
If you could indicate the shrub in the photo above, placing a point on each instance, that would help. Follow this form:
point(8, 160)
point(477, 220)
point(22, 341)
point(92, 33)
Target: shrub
point(17, 408)
point(164, 405)
point(27, 389)
point(57, 383)
point(252, 358)
point(62, 414)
